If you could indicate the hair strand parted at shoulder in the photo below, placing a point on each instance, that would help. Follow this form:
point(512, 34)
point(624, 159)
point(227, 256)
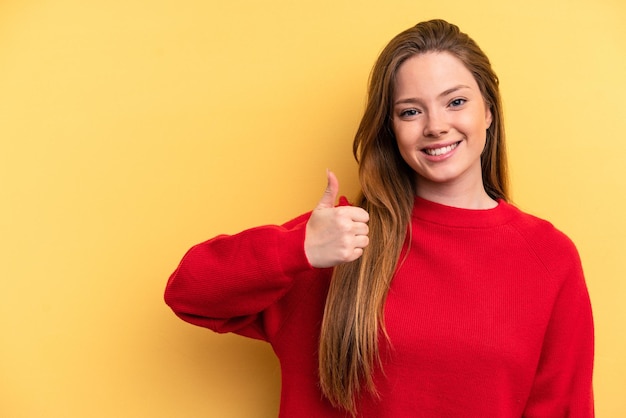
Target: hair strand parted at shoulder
point(353, 318)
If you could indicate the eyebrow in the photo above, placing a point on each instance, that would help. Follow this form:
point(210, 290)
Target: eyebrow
point(443, 94)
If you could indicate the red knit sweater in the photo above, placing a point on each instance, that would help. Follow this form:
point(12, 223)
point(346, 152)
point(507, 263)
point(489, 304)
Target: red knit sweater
point(488, 316)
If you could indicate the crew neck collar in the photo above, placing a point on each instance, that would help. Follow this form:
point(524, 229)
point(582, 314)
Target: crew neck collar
point(438, 213)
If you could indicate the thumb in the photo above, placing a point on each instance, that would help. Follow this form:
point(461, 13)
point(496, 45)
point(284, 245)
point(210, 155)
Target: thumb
point(330, 194)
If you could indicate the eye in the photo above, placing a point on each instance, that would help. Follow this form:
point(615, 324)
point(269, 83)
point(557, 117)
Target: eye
point(409, 113)
point(457, 102)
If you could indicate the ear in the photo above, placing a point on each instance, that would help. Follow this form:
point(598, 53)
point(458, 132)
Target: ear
point(488, 116)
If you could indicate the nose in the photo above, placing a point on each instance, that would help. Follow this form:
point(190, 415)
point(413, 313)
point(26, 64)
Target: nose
point(436, 124)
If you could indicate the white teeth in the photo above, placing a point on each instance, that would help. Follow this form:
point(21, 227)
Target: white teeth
point(440, 151)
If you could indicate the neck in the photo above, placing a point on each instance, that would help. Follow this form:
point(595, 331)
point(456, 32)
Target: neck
point(456, 195)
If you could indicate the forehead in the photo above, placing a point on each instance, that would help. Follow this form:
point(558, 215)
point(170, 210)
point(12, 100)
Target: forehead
point(432, 73)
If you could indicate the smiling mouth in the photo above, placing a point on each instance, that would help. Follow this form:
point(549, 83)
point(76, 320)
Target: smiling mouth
point(441, 151)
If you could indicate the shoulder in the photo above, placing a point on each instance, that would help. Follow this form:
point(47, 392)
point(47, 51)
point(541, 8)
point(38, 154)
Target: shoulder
point(537, 229)
point(551, 245)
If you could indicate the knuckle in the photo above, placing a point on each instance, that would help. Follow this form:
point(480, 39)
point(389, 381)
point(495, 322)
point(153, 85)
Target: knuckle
point(341, 210)
point(344, 225)
point(344, 254)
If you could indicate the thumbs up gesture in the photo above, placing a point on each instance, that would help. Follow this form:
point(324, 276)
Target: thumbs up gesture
point(335, 235)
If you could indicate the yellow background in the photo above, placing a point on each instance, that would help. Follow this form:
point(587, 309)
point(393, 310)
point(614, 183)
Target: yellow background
point(132, 129)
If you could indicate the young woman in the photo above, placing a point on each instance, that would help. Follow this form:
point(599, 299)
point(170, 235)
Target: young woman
point(432, 296)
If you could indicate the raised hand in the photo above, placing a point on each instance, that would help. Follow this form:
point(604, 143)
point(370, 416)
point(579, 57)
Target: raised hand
point(335, 235)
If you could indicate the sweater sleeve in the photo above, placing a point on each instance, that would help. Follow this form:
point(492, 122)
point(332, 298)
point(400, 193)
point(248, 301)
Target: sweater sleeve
point(227, 283)
point(563, 380)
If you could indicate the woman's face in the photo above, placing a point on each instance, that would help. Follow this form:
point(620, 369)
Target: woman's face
point(440, 121)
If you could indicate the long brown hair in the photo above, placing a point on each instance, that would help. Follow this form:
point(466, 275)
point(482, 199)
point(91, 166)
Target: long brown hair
point(353, 317)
